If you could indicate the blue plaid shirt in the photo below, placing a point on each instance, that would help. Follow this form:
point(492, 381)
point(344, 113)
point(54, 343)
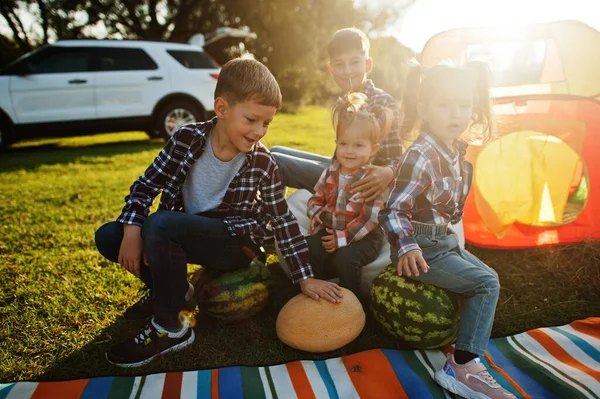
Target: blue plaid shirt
point(427, 189)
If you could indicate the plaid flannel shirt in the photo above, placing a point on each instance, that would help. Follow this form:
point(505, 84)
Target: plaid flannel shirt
point(254, 198)
point(391, 146)
point(427, 190)
point(340, 210)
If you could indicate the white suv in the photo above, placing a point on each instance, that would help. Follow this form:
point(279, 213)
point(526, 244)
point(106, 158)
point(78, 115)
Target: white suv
point(92, 86)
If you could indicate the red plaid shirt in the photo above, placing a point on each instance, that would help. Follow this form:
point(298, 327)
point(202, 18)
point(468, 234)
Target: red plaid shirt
point(340, 210)
point(254, 198)
point(427, 189)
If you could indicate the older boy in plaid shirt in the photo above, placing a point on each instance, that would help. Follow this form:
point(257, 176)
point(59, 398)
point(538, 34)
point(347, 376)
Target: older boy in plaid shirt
point(349, 65)
point(220, 188)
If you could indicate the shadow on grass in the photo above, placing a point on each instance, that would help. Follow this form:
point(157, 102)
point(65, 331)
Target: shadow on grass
point(540, 287)
point(32, 157)
point(251, 342)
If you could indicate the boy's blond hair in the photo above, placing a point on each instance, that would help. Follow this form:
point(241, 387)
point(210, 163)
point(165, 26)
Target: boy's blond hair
point(348, 39)
point(245, 79)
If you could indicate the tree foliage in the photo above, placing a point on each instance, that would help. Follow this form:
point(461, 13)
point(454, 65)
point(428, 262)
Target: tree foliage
point(292, 34)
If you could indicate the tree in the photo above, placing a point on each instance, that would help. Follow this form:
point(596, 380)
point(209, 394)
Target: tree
point(9, 51)
point(53, 19)
point(8, 10)
point(292, 34)
point(388, 55)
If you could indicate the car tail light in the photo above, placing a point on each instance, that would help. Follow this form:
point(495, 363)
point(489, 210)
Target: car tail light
point(214, 75)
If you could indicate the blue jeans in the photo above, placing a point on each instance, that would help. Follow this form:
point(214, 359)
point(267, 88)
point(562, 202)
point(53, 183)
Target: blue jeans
point(172, 240)
point(345, 262)
point(459, 271)
point(299, 169)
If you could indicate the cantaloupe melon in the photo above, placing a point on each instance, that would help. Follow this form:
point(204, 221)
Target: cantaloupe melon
point(320, 326)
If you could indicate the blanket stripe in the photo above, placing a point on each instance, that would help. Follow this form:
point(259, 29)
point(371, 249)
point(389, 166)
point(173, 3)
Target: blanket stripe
point(530, 388)
point(552, 363)
point(580, 342)
point(314, 378)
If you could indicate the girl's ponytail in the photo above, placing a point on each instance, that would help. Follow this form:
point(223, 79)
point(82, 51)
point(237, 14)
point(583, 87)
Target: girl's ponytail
point(482, 126)
point(410, 99)
point(346, 108)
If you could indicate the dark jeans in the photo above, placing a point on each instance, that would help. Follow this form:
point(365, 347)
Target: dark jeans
point(347, 261)
point(171, 240)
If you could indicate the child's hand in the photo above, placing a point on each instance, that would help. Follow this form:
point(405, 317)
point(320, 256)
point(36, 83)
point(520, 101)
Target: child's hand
point(374, 183)
point(409, 261)
point(315, 222)
point(131, 251)
point(316, 289)
point(329, 242)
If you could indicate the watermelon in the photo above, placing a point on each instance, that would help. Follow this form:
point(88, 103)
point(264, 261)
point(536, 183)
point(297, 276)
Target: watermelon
point(419, 314)
point(234, 295)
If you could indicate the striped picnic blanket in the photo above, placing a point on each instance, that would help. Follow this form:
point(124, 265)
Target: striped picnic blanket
point(557, 362)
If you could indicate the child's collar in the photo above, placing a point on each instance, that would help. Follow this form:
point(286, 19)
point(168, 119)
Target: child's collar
point(369, 88)
point(460, 144)
point(336, 166)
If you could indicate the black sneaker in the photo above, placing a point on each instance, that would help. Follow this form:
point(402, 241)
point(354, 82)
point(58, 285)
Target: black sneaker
point(150, 342)
point(143, 308)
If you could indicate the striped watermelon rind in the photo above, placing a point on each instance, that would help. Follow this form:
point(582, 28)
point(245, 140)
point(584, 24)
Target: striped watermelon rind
point(235, 295)
point(420, 314)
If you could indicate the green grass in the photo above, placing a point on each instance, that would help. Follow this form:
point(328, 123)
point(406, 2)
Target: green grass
point(61, 302)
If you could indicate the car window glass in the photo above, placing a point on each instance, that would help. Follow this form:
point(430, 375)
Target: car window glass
point(193, 59)
point(62, 60)
point(19, 66)
point(124, 59)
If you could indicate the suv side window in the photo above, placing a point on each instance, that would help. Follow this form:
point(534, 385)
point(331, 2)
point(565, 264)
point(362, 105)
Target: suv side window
point(124, 59)
point(20, 65)
point(58, 59)
point(193, 59)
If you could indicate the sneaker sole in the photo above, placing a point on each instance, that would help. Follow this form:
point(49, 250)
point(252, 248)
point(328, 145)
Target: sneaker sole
point(457, 387)
point(175, 348)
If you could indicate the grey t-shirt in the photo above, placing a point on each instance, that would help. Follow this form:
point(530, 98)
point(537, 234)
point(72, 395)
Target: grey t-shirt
point(208, 180)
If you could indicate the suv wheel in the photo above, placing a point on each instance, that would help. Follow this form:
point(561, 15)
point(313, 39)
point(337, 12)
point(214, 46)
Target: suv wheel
point(175, 114)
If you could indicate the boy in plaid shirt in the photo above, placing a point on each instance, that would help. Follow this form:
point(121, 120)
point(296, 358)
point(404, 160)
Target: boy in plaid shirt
point(220, 188)
point(345, 234)
point(349, 65)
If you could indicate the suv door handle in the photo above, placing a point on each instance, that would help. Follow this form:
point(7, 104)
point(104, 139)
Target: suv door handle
point(77, 81)
point(155, 78)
